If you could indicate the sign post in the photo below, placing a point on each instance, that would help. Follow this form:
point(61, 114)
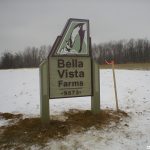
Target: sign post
point(69, 70)
point(95, 98)
point(44, 92)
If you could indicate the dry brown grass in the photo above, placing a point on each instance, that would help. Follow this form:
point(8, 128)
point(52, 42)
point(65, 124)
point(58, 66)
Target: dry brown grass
point(30, 131)
point(129, 66)
point(10, 116)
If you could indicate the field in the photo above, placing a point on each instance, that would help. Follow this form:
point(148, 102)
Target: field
point(129, 66)
point(72, 124)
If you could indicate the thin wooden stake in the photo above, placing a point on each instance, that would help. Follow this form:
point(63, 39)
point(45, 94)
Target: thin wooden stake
point(115, 88)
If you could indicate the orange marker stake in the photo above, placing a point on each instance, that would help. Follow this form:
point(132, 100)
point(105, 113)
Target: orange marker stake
point(114, 79)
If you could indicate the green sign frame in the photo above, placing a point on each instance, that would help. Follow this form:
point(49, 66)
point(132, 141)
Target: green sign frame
point(72, 47)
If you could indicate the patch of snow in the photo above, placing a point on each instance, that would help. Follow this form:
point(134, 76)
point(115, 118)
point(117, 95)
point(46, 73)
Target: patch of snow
point(4, 122)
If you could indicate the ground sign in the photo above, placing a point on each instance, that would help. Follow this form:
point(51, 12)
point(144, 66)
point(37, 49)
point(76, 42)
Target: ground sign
point(69, 70)
point(70, 76)
point(70, 62)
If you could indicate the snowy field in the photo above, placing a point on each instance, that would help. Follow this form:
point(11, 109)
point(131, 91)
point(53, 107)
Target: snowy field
point(19, 93)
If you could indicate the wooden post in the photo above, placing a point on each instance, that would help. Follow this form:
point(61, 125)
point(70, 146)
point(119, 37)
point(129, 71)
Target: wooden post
point(115, 88)
point(44, 92)
point(95, 99)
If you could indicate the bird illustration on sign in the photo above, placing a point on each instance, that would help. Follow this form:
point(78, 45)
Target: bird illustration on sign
point(75, 41)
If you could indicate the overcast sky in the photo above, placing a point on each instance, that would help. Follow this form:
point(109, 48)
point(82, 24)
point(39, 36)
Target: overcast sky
point(38, 22)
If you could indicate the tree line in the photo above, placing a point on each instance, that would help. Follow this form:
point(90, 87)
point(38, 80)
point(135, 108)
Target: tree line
point(30, 57)
point(123, 51)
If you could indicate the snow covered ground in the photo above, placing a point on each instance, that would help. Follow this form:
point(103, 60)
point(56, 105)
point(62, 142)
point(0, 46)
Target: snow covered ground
point(19, 93)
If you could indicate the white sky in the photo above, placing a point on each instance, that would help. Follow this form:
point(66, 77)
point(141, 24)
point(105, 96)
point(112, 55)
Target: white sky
point(38, 22)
